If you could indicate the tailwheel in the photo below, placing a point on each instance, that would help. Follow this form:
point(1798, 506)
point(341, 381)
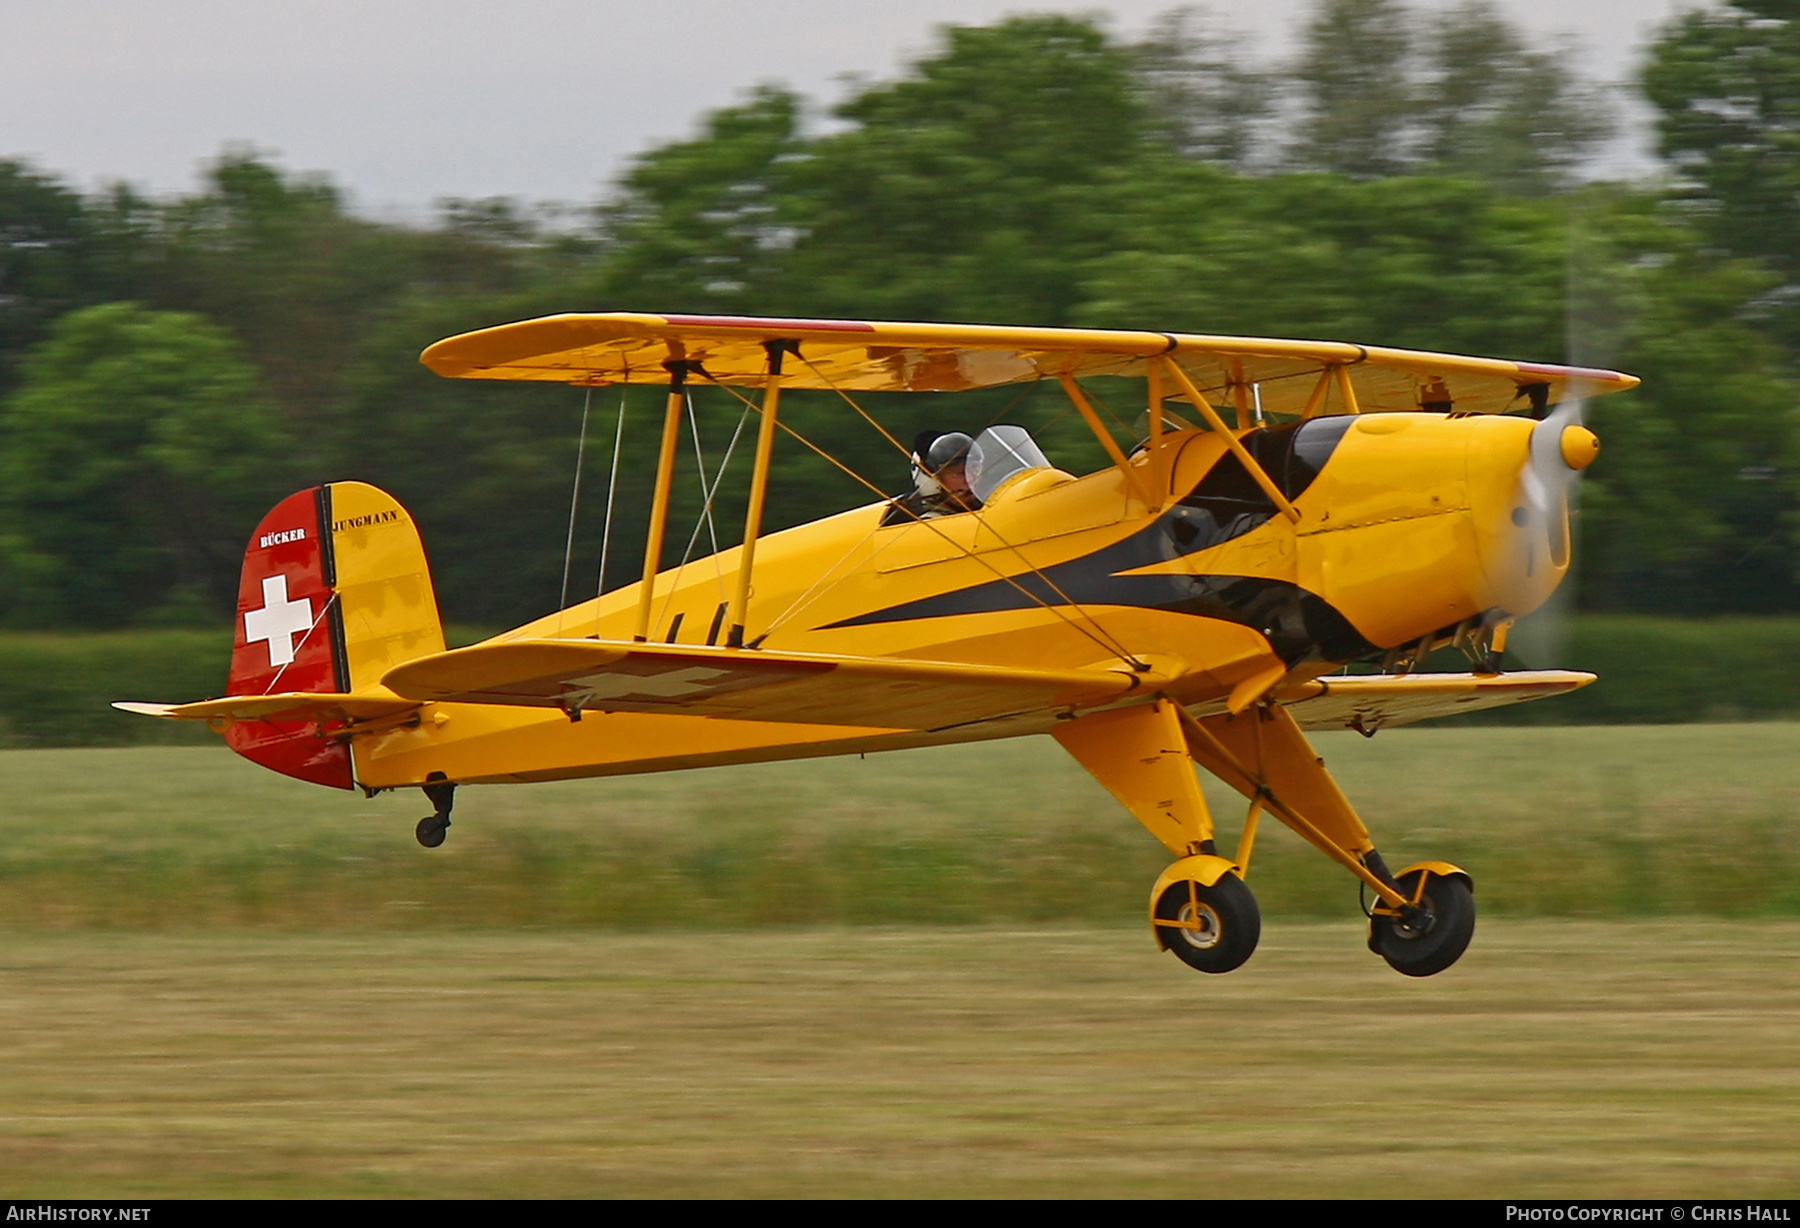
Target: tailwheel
point(433, 827)
point(1431, 933)
point(1211, 929)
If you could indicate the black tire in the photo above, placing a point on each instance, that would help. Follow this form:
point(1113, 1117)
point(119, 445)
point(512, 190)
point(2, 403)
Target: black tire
point(431, 830)
point(1440, 935)
point(1232, 923)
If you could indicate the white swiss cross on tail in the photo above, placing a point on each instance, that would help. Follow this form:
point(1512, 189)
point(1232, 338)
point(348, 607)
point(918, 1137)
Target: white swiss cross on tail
point(279, 621)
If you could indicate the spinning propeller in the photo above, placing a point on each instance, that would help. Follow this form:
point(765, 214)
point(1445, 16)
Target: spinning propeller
point(1562, 446)
point(1543, 582)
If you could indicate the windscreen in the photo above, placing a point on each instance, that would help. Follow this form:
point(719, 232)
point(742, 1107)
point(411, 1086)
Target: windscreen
point(998, 453)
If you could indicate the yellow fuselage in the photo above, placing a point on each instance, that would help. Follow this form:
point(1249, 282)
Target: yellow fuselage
point(1406, 529)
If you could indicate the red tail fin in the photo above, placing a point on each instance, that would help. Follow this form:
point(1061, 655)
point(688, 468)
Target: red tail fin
point(290, 637)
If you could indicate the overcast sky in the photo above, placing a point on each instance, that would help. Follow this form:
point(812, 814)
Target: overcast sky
point(407, 101)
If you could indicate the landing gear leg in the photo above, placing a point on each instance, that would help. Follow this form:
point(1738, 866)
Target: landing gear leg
point(434, 826)
point(1199, 908)
point(1424, 917)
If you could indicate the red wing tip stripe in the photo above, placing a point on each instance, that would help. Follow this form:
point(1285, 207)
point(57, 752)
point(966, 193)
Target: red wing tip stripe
point(1546, 368)
point(770, 325)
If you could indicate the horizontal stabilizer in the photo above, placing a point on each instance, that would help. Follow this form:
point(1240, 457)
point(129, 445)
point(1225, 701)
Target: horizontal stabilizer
point(1369, 702)
point(288, 706)
point(749, 684)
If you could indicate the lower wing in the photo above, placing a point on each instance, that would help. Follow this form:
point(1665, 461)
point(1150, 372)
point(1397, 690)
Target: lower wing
point(1370, 702)
point(751, 684)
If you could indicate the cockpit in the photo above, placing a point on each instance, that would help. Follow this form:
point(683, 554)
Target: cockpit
point(953, 474)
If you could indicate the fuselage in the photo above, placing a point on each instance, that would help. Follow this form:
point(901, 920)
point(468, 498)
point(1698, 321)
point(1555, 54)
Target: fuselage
point(1406, 528)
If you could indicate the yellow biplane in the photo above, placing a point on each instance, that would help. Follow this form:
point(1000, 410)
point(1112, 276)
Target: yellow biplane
point(1293, 507)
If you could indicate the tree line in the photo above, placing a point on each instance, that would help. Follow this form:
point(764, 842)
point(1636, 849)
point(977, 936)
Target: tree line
point(171, 367)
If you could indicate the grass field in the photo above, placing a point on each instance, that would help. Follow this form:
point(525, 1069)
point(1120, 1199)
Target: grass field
point(919, 974)
point(1563, 821)
point(1640, 1059)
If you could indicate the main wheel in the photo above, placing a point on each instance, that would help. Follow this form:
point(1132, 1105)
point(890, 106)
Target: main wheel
point(432, 830)
point(1217, 926)
point(1428, 943)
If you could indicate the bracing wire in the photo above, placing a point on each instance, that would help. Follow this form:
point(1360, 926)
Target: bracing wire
point(706, 503)
point(861, 412)
point(1025, 390)
point(708, 494)
point(612, 492)
point(826, 577)
point(1105, 410)
point(1114, 648)
point(587, 401)
point(319, 618)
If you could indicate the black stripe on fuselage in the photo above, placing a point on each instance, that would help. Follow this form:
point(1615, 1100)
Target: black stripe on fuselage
point(1295, 622)
point(1225, 504)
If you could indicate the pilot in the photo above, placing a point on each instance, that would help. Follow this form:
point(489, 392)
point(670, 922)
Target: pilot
point(940, 480)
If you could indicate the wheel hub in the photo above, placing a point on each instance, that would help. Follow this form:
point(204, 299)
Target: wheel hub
point(1201, 930)
point(1414, 921)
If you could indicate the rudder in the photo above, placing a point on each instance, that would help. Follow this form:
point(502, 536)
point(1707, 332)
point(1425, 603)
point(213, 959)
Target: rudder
point(390, 612)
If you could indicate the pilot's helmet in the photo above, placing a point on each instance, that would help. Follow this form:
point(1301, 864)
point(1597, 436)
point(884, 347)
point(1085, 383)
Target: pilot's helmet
point(946, 450)
point(933, 450)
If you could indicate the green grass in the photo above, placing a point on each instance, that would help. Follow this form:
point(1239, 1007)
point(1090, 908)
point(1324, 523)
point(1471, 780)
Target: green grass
point(918, 974)
point(1563, 822)
point(1560, 1059)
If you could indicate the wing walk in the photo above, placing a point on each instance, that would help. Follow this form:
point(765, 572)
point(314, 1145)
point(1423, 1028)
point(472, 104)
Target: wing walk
point(753, 685)
point(866, 356)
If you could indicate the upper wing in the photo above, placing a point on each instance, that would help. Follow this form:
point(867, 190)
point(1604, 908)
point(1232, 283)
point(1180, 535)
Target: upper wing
point(857, 355)
point(749, 684)
point(1369, 702)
